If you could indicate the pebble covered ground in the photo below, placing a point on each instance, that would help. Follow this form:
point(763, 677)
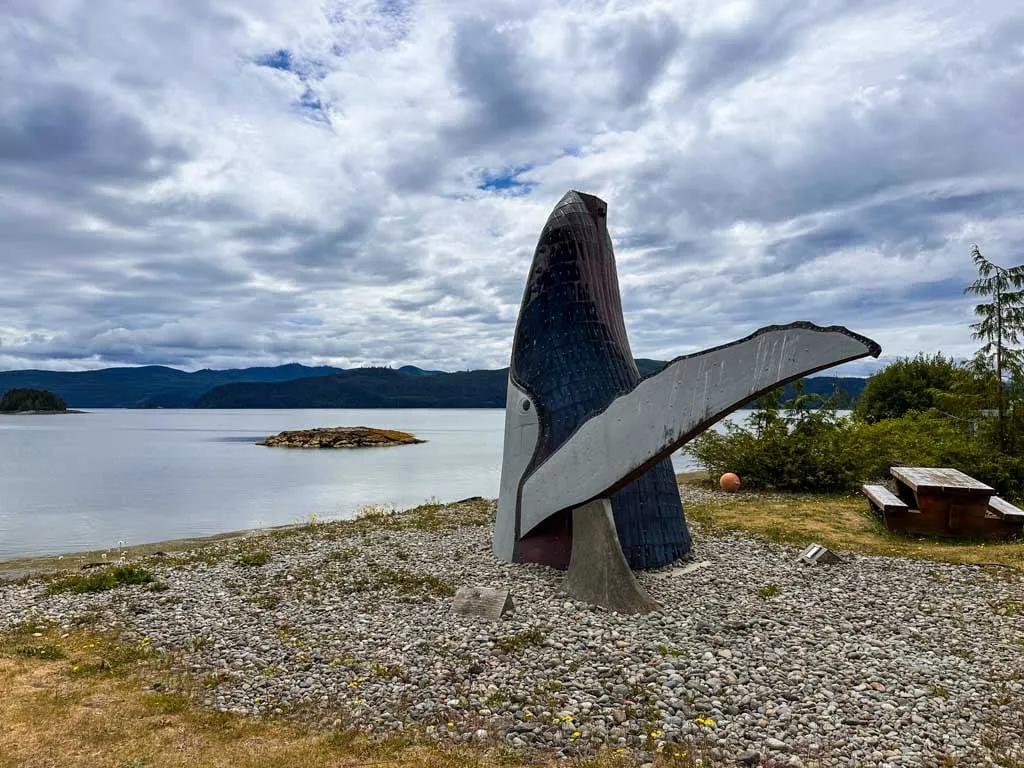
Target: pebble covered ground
point(756, 659)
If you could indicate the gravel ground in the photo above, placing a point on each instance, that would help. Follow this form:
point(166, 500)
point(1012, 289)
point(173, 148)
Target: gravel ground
point(756, 659)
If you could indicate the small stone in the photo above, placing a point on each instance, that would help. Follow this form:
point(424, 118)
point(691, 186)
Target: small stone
point(748, 758)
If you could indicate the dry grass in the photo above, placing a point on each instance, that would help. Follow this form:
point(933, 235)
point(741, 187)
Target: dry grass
point(85, 702)
point(841, 523)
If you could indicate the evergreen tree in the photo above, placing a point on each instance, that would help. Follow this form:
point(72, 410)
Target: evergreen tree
point(1000, 325)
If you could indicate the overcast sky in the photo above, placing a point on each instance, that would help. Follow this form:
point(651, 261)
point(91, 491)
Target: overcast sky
point(200, 183)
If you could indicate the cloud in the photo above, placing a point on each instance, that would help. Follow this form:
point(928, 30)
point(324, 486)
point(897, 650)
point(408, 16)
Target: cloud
point(364, 182)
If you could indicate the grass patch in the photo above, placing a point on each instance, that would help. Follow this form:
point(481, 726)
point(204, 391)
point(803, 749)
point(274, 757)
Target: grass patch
point(254, 558)
point(387, 670)
point(664, 650)
point(841, 523)
point(767, 591)
point(100, 579)
point(528, 638)
point(344, 555)
point(408, 583)
point(267, 601)
point(432, 517)
point(47, 651)
point(1009, 608)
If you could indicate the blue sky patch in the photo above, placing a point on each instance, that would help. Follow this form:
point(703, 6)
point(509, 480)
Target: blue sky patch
point(507, 180)
point(280, 59)
point(310, 105)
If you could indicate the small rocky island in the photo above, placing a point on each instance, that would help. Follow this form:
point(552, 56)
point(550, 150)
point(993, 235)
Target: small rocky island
point(340, 437)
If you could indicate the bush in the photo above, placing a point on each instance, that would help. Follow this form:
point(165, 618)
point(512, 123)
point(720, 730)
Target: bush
point(908, 384)
point(821, 452)
point(796, 450)
point(15, 400)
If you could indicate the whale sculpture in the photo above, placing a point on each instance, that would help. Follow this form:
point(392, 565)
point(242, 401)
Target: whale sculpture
point(587, 439)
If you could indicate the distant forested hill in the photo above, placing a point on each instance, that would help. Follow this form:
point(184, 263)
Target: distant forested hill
point(152, 386)
point(368, 388)
point(387, 388)
point(299, 386)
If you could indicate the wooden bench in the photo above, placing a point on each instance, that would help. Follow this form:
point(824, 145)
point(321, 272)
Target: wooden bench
point(883, 500)
point(1005, 510)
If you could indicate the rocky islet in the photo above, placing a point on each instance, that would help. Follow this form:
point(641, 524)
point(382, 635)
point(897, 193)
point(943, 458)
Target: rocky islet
point(340, 437)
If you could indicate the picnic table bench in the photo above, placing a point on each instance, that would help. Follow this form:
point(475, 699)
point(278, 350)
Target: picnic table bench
point(944, 502)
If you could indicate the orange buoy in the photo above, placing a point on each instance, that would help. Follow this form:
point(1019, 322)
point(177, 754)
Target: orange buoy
point(729, 482)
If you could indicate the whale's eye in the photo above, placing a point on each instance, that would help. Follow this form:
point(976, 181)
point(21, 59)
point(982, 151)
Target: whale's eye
point(524, 405)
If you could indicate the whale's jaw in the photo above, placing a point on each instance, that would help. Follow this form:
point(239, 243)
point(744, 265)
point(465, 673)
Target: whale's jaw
point(571, 358)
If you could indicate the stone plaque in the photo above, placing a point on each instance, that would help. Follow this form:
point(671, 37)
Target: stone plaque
point(816, 554)
point(482, 601)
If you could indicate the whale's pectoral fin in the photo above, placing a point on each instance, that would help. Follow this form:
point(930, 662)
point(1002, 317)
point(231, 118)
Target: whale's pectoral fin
point(598, 572)
point(664, 411)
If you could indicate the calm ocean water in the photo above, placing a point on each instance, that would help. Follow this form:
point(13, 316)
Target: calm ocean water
point(89, 481)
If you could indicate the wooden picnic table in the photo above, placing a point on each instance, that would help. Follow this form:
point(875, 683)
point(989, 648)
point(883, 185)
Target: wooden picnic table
point(944, 501)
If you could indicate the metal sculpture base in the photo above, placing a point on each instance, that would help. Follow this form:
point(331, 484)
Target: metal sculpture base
point(598, 572)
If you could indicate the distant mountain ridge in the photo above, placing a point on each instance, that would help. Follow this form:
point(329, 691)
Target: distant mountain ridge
point(151, 386)
point(299, 386)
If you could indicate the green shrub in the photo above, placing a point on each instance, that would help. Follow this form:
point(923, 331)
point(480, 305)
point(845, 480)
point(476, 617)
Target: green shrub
point(100, 580)
point(796, 450)
point(821, 452)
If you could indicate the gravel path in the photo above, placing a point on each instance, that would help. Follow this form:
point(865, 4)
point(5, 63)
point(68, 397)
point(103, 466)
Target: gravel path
point(757, 660)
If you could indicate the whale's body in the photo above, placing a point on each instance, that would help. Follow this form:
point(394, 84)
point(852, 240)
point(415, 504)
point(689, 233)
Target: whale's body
point(582, 424)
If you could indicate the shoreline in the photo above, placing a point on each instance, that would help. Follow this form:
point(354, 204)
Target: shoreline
point(39, 564)
point(32, 565)
point(42, 413)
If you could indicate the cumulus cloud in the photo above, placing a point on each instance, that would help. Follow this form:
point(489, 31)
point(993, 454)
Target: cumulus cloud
point(208, 185)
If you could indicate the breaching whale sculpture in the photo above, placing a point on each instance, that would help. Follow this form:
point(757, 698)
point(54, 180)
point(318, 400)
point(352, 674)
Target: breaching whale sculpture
point(587, 441)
